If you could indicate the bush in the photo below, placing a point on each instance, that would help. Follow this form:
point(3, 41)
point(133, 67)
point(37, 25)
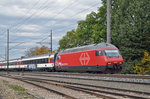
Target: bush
point(144, 67)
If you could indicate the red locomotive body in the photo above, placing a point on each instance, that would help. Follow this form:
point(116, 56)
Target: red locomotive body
point(100, 57)
point(1, 64)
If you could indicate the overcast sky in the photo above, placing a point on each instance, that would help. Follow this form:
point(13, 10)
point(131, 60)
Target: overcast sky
point(30, 21)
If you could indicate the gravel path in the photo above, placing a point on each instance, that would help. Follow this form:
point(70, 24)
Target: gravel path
point(33, 92)
point(12, 91)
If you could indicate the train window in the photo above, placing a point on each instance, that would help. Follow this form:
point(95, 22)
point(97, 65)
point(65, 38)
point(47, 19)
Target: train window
point(46, 60)
point(111, 53)
point(13, 63)
point(99, 53)
point(57, 58)
point(40, 61)
point(33, 61)
point(25, 62)
point(37, 61)
point(43, 60)
point(28, 62)
point(22, 62)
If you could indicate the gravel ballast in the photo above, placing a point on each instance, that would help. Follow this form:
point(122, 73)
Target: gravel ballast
point(32, 91)
point(13, 91)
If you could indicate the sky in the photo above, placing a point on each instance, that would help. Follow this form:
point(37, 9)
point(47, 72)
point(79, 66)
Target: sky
point(30, 22)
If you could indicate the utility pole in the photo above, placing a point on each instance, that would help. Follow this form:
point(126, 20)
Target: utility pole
point(51, 42)
point(7, 51)
point(5, 54)
point(108, 22)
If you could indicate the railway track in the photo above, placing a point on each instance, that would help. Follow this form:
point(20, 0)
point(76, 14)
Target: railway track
point(87, 74)
point(41, 84)
point(133, 79)
point(96, 75)
point(122, 80)
point(93, 91)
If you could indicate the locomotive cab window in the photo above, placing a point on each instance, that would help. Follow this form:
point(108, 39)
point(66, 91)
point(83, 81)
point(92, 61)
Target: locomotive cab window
point(99, 53)
point(112, 53)
point(58, 57)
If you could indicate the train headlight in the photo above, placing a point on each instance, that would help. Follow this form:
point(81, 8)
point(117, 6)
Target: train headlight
point(109, 63)
point(120, 62)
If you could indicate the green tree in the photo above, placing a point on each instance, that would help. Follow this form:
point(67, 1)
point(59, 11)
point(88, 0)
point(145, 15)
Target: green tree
point(130, 28)
point(68, 41)
point(85, 29)
point(89, 31)
point(99, 29)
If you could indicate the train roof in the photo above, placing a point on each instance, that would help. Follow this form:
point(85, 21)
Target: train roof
point(11, 60)
point(29, 58)
point(88, 47)
point(38, 57)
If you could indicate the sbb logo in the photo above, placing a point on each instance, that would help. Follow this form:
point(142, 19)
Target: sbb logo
point(84, 58)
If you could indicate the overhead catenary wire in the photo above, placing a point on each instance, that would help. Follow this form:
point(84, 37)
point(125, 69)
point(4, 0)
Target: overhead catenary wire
point(79, 13)
point(71, 16)
point(44, 11)
point(3, 33)
point(26, 19)
point(59, 14)
point(76, 13)
point(33, 14)
point(19, 20)
point(22, 18)
point(16, 45)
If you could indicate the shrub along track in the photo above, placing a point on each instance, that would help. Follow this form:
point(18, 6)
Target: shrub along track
point(97, 91)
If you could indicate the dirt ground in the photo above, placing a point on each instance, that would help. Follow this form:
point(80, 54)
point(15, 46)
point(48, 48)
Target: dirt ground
point(9, 90)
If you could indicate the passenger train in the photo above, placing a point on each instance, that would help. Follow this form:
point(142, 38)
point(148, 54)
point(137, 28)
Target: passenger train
point(100, 57)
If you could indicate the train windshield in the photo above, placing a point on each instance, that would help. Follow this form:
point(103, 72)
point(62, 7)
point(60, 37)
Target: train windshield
point(111, 53)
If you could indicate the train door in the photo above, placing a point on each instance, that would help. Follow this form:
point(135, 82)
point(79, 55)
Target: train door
point(99, 58)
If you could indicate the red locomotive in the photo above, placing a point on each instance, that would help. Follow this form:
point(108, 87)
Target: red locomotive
point(96, 57)
point(92, 58)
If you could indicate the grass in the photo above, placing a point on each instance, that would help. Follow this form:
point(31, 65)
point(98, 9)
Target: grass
point(21, 91)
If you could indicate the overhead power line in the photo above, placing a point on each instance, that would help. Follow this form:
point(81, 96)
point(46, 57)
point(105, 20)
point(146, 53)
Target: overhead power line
point(72, 15)
point(43, 11)
point(20, 20)
point(55, 23)
point(32, 15)
point(16, 45)
point(79, 13)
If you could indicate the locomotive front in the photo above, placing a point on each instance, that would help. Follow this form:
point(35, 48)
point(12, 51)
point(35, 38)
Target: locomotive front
point(114, 59)
point(109, 58)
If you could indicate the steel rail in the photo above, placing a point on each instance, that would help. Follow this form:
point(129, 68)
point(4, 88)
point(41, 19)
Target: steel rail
point(87, 90)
